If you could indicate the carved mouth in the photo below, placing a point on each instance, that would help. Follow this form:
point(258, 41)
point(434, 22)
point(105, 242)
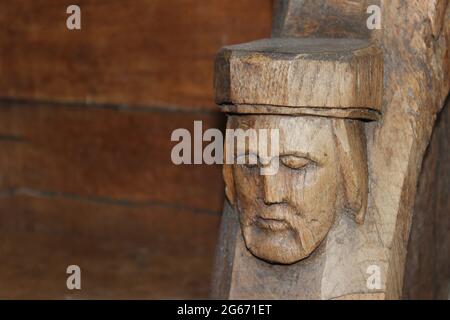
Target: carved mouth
point(271, 224)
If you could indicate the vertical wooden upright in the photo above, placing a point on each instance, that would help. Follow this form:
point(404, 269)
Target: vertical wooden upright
point(415, 85)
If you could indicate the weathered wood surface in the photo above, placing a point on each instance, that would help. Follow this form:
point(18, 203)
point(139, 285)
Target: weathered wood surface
point(325, 19)
point(319, 174)
point(416, 83)
point(299, 73)
point(417, 73)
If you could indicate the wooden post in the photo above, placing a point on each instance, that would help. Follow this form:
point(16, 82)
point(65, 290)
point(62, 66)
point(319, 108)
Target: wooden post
point(333, 223)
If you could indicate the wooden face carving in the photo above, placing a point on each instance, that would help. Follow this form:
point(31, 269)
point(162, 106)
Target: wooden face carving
point(285, 216)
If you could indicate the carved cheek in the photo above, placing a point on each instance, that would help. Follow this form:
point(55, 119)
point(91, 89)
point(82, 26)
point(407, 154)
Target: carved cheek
point(314, 194)
point(324, 195)
point(247, 194)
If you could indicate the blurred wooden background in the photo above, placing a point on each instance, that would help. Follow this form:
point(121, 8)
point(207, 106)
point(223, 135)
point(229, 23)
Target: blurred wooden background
point(85, 124)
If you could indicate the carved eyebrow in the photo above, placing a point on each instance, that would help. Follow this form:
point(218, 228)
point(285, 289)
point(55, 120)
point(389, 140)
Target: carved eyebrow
point(289, 153)
point(247, 153)
point(301, 155)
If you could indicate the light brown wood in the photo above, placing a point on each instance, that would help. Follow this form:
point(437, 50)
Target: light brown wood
point(417, 72)
point(415, 82)
point(289, 72)
point(321, 174)
point(327, 19)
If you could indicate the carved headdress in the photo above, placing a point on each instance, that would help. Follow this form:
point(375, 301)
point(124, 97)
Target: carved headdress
point(323, 77)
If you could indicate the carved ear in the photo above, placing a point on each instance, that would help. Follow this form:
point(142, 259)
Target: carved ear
point(352, 157)
point(229, 183)
point(227, 170)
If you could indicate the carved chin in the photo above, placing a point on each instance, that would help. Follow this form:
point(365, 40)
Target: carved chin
point(280, 246)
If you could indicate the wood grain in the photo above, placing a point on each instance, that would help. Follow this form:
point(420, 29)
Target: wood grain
point(124, 251)
point(105, 154)
point(416, 84)
point(328, 19)
point(427, 274)
point(143, 52)
point(85, 124)
point(301, 73)
point(319, 174)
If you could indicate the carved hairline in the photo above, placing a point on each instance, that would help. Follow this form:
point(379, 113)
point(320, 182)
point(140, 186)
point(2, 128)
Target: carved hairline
point(351, 151)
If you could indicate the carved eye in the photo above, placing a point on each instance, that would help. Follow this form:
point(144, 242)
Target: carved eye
point(249, 160)
point(295, 162)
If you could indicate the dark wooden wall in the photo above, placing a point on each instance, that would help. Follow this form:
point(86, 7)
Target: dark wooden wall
point(85, 124)
point(427, 274)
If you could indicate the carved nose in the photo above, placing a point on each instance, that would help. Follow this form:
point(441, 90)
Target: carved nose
point(272, 190)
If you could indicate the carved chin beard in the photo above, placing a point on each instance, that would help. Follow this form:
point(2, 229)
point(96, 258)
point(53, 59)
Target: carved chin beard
point(283, 240)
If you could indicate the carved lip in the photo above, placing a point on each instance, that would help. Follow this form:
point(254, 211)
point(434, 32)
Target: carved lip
point(271, 223)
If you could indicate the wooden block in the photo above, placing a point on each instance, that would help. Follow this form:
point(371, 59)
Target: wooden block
point(301, 73)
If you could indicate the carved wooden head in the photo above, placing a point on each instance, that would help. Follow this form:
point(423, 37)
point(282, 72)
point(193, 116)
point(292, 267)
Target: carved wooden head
point(317, 93)
point(321, 172)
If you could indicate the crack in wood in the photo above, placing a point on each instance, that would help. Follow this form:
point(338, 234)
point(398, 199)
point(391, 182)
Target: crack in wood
point(14, 192)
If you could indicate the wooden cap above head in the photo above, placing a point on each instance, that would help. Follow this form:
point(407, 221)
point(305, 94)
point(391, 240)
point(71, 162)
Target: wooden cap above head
point(301, 76)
